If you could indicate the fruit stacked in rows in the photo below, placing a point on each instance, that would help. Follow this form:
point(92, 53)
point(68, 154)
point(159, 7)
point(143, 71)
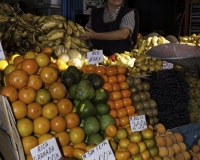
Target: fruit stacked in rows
point(142, 100)
point(170, 90)
point(195, 151)
point(194, 103)
point(170, 145)
point(40, 104)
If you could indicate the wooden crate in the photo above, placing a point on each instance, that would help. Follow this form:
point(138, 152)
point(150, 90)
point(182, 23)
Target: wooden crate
point(9, 133)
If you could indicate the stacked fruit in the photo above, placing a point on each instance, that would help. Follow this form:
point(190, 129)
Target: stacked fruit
point(194, 103)
point(142, 100)
point(170, 145)
point(170, 90)
point(195, 151)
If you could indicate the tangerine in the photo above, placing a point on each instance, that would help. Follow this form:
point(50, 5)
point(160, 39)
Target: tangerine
point(10, 92)
point(58, 124)
point(27, 94)
point(30, 66)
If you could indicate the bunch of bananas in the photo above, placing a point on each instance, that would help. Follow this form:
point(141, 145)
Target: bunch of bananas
point(23, 31)
point(192, 40)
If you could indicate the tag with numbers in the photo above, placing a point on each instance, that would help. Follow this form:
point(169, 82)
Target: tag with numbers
point(95, 57)
point(2, 55)
point(138, 123)
point(167, 65)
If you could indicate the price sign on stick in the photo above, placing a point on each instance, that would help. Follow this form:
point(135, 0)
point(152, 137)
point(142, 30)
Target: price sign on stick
point(167, 65)
point(102, 151)
point(46, 151)
point(95, 57)
point(138, 123)
point(2, 55)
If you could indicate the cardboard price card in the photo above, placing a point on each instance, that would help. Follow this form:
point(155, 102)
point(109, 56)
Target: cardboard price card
point(2, 55)
point(138, 123)
point(95, 57)
point(167, 65)
point(46, 151)
point(102, 151)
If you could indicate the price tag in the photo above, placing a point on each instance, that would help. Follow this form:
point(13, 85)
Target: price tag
point(95, 57)
point(167, 65)
point(2, 55)
point(102, 151)
point(46, 151)
point(138, 123)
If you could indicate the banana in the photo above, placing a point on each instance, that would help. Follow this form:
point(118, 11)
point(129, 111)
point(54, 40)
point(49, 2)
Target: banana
point(76, 33)
point(54, 31)
point(85, 50)
point(83, 45)
point(51, 43)
point(59, 25)
point(4, 19)
point(80, 28)
point(65, 24)
point(76, 40)
point(45, 42)
point(56, 35)
point(58, 41)
point(67, 41)
point(69, 30)
point(73, 46)
point(48, 24)
point(59, 17)
point(42, 38)
point(42, 19)
point(72, 25)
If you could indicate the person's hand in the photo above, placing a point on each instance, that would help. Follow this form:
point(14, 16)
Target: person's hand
point(90, 34)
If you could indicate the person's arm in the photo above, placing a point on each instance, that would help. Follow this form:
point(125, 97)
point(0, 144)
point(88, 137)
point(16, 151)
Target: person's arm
point(122, 33)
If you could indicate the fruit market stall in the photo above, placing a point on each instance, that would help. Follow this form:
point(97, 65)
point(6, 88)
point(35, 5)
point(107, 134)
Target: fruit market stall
point(129, 100)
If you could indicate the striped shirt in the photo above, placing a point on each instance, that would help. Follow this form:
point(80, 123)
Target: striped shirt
point(128, 21)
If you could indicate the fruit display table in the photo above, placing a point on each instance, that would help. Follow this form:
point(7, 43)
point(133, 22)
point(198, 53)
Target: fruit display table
point(190, 132)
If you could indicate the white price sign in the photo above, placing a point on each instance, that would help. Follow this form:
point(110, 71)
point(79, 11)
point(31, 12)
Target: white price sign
point(46, 151)
point(2, 55)
point(102, 151)
point(138, 123)
point(95, 57)
point(167, 65)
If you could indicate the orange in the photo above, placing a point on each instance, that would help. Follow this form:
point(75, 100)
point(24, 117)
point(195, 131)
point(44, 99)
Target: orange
point(72, 120)
point(10, 92)
point(77, 135)
point(121, 112)
point(121, 78)
point(118, 103)
point(78, 152)
point(9, 68)
point(19, 109)
point(52, 64)
point(124, 120)
point(27, 94)
point(42, 59)
point(133, 114)
point(58, 90)
point(30, 54)
point(135, 137)
point(18, 59)
point(63, 138)
point(121, 133)
point(48, 74)
point(67, 151)
point(122, 154)
point(116, 87)
point(111, 130)
point(28, 143)
point(124, 85)
point(124, 142)
point(126, 93)
point(58, 124)
point(29, 157)
point(108, 86)
point(41, 125)
point(121, 70)
point(105, 77)
point(112, 79)
point(49, 110)
point(65, 106)
point(100, 70)
point(90, 68)
point(117, 121)
point(18, 78)
point(34, 110)
point(133, 148)
point(111, 104)
point(35, 81)
point(25, 127)
point(147, 133)
point(146, 155)
point(30, 66)
point(111, 71)
point(126, 101)
point(113, 113)
point(116, 95)
point(47, 50)
point(81, 145)
point(130, 109)
point(44, 137)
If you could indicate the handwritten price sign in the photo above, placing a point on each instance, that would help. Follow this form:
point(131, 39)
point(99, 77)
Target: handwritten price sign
point(138, 123)
point(95, 57)
point(102, 151)
point(167, 65)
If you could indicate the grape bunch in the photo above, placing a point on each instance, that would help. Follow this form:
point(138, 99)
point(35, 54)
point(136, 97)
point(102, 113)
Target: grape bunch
point(170, 90)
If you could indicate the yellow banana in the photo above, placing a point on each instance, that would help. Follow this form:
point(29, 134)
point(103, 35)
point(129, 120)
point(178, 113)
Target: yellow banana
point(74, 46)
point(56, 35)
point(48, 24)
point(59, 17)
point(80, 28)
point(54, 31)
point(69, 30)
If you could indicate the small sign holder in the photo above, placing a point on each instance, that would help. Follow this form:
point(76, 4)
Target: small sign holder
point(95, 57)
point(138, 123)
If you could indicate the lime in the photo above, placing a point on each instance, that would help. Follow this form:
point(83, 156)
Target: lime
point(95, 139)
point(91, 125)
point(106, 120)
point(103, 108)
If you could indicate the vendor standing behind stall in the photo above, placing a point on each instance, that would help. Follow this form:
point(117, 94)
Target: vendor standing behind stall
point(110, 28)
